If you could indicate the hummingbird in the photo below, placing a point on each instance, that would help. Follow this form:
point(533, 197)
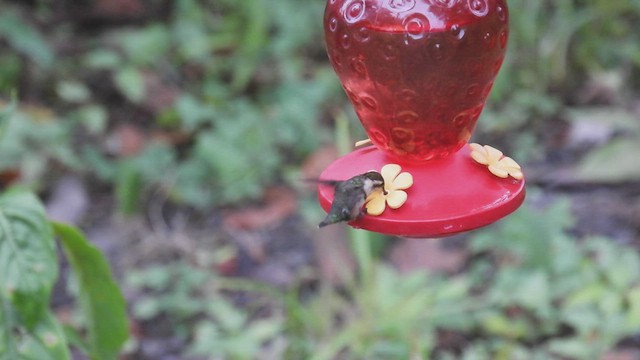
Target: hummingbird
point(350, 195)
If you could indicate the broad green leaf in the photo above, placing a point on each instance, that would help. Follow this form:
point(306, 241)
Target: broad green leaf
point(8, 323)
point(606, 119)
point(25, 39)
point(533, 292)
point(94, 118)
point(28, 270)
point(7, 111)
point(499, 324)
point(144, 46)
point(586, 295)
point(633, 314)
point(28, 263)
point(75, 339)
point(73, 91)
point(47, 341)
point(571, 348)
point(130, 82)
point(229, 318)
point(100, 296)
point(128, 186)
point(614, 162)
point(193, 113)
point(263, 330)
point(102, 59)
point(253, 42)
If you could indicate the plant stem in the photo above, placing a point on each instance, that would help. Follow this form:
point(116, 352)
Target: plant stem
point(342, 133)
point(361, 245)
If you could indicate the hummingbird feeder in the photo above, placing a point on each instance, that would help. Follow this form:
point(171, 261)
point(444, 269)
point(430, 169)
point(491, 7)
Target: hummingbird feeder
point(418, 73)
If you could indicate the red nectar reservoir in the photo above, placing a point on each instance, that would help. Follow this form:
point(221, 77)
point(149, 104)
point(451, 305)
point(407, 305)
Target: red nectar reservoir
point(417, 72)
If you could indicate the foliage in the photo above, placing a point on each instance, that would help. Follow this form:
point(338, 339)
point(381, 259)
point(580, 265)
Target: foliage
point(201, 313)
point(581, 295)
point(227, 96)
point(237, 140)
point(556, 49)
point(102, 302)
point(211, 70)
point(599, 165)
point(530, 292)
point(25, 39)
point(551, 42)
point(29, 269)
point(28, 272)
point(31, 139)
point(243, 86)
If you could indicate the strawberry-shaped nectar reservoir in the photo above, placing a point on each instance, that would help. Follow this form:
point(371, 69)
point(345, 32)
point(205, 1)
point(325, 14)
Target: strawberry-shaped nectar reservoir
point(418, 72)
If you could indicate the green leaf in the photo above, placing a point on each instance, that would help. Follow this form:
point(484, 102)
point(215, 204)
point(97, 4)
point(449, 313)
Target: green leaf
point(128, 187)
point(7, 111)
point(94, 118)
point(74, 339)
point(533, 292)
point(572, 348)
point(102, 59)
point(102, 301)
point(193, 113)
point(253, 42)
point(499, 324)
point(28, 263)
point(25, 39)
point(606, 119)
point(28, 270)
point(46, 342)
point(73, 91)
point(613, 162)
point(8, 323)
point(229, 318)
point(130, 82)
point(633, 314)
point(144, 46)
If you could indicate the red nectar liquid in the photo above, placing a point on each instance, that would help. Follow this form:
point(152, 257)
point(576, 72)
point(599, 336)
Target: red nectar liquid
point(417, 72)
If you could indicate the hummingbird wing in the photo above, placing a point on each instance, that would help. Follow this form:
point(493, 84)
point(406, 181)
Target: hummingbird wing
point(324, 181)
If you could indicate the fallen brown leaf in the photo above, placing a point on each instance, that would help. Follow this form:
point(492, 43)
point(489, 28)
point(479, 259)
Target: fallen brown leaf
point(7, 177)
point(159, 94)
point(622, 354)
point(318, 161)
point(173, 137)
point(126, 140)
point(119, 8)
point(278, 203)
point(427, 254)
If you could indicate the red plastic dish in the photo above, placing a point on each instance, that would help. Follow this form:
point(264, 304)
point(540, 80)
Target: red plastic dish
point(448, 196)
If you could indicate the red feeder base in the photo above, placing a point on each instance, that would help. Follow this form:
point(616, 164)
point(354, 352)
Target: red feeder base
point(448, 196)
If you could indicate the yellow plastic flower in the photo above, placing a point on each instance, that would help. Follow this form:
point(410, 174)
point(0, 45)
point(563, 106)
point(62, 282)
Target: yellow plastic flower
point(364, 142)
point(395, 183)
point(499, 165)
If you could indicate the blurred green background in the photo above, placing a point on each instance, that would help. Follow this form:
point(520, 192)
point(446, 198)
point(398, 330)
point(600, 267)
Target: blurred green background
point(175, 133)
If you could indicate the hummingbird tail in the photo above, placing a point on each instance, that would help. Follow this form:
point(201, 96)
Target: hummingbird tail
point(322, 224)
point(327, 221)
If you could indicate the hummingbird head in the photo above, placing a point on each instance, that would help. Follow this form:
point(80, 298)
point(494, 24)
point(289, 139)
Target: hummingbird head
point(373, 180)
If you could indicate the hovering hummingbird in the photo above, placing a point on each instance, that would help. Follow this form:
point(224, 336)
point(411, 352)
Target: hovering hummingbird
point(350, 195)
